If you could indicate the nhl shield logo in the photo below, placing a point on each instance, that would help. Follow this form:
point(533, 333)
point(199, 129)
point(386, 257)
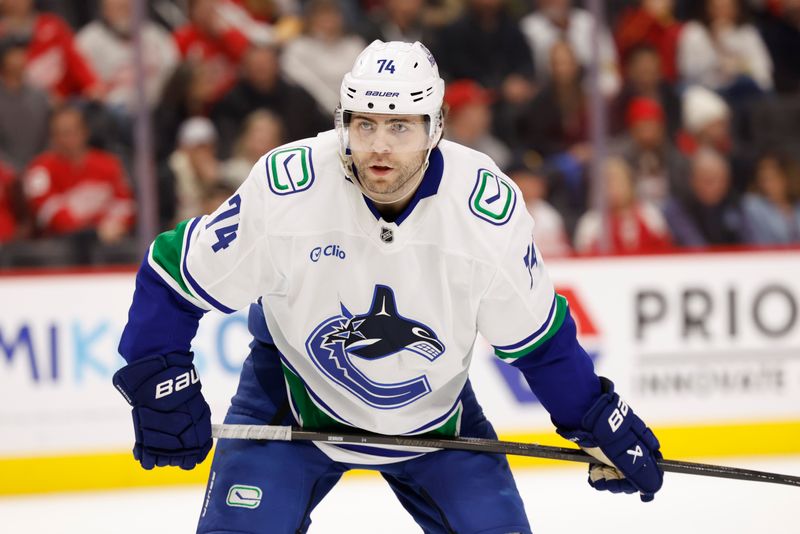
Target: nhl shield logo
point(387, 235)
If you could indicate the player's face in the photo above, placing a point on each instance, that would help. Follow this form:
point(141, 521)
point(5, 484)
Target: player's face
point(387, 150)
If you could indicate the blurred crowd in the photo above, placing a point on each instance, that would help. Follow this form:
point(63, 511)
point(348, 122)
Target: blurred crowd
point(702, 99)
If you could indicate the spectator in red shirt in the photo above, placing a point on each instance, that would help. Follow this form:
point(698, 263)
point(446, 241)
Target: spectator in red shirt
point(210, 39)
point(634, 227)
point(54, 63)
point(73, 188)
point(652, 23)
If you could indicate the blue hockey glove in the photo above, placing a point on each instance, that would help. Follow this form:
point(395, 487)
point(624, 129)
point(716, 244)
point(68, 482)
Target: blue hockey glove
point(171, 419)
point(613, 434)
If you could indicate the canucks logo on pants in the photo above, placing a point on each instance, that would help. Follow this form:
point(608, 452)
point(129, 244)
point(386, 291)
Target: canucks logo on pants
point(341, 340)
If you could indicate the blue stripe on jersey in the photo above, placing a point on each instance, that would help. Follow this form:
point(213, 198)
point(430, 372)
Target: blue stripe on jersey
point(561, 375)
point(449, 413)
point(528, 339)
point(160, 320)
point(376, 451)
point(199, 290)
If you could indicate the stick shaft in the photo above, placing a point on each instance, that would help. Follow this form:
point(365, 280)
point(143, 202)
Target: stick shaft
point(285, 433)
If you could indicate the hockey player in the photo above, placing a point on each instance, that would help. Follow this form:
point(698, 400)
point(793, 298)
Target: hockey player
point(375, 253)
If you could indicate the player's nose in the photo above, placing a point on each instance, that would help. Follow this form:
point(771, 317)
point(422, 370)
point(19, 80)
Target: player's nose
point(381, 142)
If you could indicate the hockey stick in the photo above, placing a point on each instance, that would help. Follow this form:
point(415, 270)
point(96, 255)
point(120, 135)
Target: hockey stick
point(287, 433)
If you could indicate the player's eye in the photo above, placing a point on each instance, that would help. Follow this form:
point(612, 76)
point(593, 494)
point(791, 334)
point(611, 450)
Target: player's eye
point(399, 127)
point(365, 126)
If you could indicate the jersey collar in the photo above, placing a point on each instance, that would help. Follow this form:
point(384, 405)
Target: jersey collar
point(428, 187)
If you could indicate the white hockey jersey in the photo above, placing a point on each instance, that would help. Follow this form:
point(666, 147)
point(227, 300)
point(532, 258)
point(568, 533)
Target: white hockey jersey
point(375, 320)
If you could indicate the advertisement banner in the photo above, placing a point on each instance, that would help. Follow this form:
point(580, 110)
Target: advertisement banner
point(699, 339)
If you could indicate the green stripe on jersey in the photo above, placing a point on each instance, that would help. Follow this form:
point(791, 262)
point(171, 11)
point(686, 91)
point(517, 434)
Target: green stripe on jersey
point(311, 417)
point(450, 428)
point(167, 249)
point(558, 319)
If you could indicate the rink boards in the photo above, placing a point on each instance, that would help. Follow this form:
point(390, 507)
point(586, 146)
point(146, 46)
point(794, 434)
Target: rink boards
point(705, 347)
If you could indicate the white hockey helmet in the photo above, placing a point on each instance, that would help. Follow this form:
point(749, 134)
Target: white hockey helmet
point(393, 78)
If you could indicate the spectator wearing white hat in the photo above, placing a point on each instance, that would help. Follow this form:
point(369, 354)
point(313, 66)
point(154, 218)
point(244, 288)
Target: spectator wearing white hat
point(706, 117)
point(707, 124)
point(194, 166)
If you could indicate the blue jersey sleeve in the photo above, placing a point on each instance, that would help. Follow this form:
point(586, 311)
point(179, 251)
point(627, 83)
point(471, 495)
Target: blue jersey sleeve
point(160, 321)
point(561, 375)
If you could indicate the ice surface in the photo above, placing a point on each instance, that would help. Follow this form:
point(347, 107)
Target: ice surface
point(558, 500)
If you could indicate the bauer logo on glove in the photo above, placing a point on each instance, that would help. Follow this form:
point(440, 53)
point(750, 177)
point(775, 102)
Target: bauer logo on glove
point(171, 419)
point(167, 387)
point(617, 416)
point(627, 448)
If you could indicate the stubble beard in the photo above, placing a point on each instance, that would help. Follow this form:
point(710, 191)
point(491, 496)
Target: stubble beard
point(403, 174)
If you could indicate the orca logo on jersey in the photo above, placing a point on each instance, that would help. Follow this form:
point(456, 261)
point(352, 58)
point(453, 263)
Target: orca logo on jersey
point(335, 345)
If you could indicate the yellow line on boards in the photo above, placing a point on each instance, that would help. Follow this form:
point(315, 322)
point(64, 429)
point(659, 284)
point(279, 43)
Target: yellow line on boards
point(89, 472)
point(94, 471)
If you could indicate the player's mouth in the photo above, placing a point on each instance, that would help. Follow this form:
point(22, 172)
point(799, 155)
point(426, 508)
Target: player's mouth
point(380, 170)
